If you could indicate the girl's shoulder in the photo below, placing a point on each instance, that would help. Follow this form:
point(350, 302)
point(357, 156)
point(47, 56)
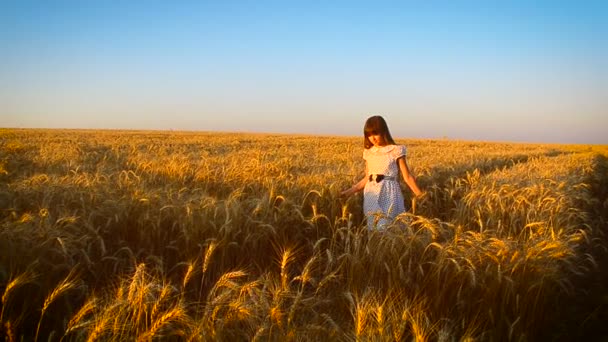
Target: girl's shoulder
point(394, 150)
point(398, 151)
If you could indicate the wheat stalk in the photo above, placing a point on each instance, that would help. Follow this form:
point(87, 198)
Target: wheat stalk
point(171, 315)
point(22, 279)
point(66, 284)
point(84, 310)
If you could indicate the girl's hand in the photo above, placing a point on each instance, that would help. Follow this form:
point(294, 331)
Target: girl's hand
point(355, 188)
point(346, 193)
point(420, 197)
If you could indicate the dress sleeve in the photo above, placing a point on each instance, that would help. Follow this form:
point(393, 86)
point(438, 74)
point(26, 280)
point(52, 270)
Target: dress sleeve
point(365, 154)
point(399, 152)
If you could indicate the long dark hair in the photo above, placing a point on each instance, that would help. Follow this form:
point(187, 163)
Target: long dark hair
point(376, 125)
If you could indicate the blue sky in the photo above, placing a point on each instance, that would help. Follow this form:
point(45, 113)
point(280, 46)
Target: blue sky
point(517, 71)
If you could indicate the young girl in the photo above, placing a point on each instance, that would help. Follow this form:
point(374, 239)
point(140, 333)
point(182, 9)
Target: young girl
point(382, 200)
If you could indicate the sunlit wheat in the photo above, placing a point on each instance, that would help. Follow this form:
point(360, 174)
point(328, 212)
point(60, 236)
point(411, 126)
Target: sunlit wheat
point(206, 236)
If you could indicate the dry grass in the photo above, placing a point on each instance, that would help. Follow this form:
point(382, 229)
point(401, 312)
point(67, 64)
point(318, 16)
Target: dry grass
point(121, 235)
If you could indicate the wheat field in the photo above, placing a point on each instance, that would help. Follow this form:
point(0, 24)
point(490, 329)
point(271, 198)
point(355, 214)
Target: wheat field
point(194, 236)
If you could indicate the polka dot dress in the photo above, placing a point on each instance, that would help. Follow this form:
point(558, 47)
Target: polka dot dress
point(383, 200)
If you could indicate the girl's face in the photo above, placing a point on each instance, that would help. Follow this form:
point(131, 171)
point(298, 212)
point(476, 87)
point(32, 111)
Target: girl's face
point(376, 140)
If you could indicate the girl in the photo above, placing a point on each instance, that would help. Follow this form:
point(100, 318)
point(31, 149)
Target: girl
point(382, 200)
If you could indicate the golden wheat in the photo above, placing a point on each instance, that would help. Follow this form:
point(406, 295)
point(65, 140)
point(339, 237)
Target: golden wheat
point(504, 231)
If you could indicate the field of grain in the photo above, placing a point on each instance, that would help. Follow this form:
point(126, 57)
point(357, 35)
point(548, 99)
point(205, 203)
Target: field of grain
point(124, 235)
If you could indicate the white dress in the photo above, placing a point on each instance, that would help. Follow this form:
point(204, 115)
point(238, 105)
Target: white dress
point(382, 201)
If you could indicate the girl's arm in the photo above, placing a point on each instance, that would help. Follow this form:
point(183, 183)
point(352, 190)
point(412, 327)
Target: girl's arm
point(355, 188)
point(360, 185)
point(409, 179)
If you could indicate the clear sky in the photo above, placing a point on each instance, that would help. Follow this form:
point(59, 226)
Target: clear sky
point(533, 71)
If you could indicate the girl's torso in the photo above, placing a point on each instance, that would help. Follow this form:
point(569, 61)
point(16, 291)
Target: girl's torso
point(382, 160)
